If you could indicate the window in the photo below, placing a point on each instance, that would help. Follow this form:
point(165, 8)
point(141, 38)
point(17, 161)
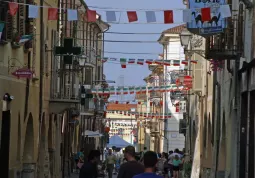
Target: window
point(7, 18)
point(99, 72)
point(21, 18)
point(88, 76)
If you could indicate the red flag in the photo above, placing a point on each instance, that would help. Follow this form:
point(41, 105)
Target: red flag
point(168, 16)
point(52, 14)
point(206, 14)
point(132, 16)
point(91, 15)
point(13, 8)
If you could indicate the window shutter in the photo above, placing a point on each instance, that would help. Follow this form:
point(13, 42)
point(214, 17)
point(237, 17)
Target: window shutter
point(9, 27)
point(88, 76)
point(3, 17)
point(21, 18)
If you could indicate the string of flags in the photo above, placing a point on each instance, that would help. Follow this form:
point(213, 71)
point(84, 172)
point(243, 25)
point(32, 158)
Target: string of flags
point(137, 90)
point(91, 15)
point(124, 61)
point(149, 115)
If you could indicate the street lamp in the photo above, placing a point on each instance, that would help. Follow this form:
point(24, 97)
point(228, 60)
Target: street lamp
point(185, 38)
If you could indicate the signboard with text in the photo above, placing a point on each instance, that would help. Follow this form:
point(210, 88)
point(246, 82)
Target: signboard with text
point(207, 28)
point(23, 73)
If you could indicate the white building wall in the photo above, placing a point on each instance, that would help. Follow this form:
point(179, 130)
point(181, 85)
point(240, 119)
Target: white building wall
point(173, 51)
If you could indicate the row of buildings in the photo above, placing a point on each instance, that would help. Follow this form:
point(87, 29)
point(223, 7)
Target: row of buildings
point(218, 122)
point(42, 116)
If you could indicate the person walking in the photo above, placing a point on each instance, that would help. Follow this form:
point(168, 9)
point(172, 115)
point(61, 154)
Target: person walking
point(176, 166)
point(131, 167)
point(89, 168)
point(150, 161)
point(110, 162)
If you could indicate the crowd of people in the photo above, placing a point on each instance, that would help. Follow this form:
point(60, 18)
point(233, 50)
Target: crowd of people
point(129, 165)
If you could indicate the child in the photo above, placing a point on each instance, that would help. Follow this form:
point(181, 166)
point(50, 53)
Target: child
point(176, 166)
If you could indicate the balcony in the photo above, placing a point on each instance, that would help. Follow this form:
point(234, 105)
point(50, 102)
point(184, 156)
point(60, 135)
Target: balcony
point(65, 89)
point(154, 127)
point(155, 94)
point(222, 46)
point(91, 107)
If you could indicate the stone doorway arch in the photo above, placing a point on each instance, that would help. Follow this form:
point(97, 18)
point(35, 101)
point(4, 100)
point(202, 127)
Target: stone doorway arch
point(29, 165)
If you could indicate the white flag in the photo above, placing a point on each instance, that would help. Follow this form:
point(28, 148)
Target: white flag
point(150, 16)
point(225, 11)
point(187, 15)
point(33, 11)
point(72, 15)
point(110, 16)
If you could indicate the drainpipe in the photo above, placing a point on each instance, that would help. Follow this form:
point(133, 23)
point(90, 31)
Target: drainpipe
point(218, 131)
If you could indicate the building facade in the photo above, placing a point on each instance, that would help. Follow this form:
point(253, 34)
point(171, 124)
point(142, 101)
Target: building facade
point(173, 51)
point(45, 110)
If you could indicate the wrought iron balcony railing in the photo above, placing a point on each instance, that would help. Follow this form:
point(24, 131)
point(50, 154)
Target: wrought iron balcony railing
point(155, 94)
point(91, 105)
point(226, 45)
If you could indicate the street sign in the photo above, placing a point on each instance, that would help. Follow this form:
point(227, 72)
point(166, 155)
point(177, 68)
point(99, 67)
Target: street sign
point(23, 73)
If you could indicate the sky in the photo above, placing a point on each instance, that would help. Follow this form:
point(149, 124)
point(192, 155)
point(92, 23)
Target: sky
point(133, 75)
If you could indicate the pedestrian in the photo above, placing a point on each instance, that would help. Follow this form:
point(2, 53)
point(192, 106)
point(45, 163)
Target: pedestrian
point(176, 166)
point(79, 159)
point(150, 161)
point(142, 154)
point(131, 167)
point(110, 162)
point(170, 163)
point(89, 168)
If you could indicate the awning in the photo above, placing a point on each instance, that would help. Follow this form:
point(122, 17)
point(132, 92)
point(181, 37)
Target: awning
point(89, 133)
point(117, 142)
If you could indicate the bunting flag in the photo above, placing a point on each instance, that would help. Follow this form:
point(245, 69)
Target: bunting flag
point(149, 61)
point(132, 16)
point(1, 29)
point(186, 17)
point(140, 61)
point(118, 91)
point(72, 15)
point(125, 91)
point(13, 8)
point(112, 91)
point(193, 61)
point(185, 62)
point(123, 62)
point(225, 11)
point(176, 62)
point(168, 16)
point(110, 16)
point(25, 38)
point(131, 90)
point(206, 14)
point(150, 16)
point(52, 14)
point(91, 15)
point(131, 61)
point(137, 90)
point(33, 11)
point(105, 59)
point(166, 63)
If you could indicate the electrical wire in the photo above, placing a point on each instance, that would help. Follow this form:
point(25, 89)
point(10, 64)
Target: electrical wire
point(117, 52)
point(122, 41)
point(126, 33)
